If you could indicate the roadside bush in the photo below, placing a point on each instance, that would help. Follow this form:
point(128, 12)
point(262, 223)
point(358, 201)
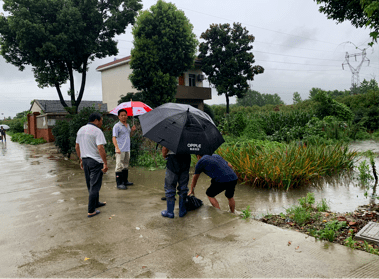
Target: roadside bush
point(26, 139)
point(61, 132)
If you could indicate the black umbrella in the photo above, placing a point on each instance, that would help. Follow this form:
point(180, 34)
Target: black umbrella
point(181, 128)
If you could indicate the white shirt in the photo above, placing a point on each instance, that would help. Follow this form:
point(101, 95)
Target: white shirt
point(88, 138)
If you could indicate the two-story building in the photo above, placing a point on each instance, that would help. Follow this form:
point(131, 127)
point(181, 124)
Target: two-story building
point(115, 83)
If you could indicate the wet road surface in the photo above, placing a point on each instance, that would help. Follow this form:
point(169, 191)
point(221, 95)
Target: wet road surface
point(45, 231)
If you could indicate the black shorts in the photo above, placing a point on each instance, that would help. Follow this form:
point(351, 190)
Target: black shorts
point(217, 187)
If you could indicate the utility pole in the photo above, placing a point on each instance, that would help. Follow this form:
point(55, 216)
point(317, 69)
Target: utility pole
point(355, 71)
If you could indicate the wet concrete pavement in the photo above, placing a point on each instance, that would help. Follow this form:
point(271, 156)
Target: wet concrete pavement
point(45, 231)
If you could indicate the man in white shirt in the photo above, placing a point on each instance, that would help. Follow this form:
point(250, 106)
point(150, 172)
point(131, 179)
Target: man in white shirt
point(89, 147)
point(121, 140)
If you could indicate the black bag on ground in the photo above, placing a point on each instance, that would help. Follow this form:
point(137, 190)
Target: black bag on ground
point(193, 203)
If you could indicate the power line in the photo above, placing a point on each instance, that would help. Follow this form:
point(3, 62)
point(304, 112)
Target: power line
point(260, 27)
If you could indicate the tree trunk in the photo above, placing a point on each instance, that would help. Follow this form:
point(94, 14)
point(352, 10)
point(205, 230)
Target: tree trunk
point(72, 84)
point(82, 86)
point(227, 103)
point(60, 95)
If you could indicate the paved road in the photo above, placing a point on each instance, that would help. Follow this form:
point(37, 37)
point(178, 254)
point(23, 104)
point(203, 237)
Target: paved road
point(45, 231)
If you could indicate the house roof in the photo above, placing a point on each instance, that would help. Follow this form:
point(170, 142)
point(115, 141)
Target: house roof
point(49, 106)
point(114, 63)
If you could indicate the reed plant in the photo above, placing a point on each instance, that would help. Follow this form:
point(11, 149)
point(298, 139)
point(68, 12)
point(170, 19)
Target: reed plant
point(286, 166)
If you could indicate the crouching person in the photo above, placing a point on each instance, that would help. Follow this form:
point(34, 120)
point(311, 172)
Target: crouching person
point(176, 180)
point(223, 178)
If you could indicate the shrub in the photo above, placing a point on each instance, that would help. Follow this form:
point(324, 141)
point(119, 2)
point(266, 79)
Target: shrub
point(26, 139)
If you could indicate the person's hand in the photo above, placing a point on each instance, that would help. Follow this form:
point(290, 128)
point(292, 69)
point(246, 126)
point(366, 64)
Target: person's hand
point(118, 150)
point(105, 168)
point(81, 164)
point(191, 192)
point(133, 128)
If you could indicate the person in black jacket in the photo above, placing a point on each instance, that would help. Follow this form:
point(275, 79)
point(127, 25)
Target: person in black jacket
point(177, 177)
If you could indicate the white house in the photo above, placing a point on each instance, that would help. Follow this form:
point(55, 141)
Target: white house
point(115, 83)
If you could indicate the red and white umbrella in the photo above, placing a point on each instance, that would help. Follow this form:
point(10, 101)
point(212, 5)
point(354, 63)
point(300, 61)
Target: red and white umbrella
point(132, 108)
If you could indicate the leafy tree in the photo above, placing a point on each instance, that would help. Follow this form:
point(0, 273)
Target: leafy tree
point(251, 98)
point(58, 37)
point(327, 106)
point(226, 59)
point(296, 98)
point(254, 98)
point(272, 99)
point(360, 13)
point(164, 48)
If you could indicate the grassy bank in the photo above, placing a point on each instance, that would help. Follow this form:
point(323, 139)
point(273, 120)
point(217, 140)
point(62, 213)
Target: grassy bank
point(286, 166)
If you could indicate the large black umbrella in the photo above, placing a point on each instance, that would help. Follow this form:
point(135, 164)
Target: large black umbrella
point(181, 128)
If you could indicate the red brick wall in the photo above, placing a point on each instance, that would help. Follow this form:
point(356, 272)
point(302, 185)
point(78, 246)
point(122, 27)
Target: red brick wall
point(46, 134)
point(32, 124)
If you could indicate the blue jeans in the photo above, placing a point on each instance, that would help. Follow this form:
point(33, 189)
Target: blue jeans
point(171, 181)
point(94, 178)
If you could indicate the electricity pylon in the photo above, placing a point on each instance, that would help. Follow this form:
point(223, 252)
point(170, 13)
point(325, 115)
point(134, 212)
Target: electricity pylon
point(355, 71)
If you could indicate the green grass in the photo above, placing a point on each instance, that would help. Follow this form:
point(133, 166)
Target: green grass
point(286, 166)
point(26, 139)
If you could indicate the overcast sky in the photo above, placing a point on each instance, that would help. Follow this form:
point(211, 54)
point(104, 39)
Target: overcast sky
point(298, 47)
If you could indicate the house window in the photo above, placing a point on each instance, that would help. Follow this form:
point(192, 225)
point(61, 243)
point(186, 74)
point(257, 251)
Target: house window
point(192, 80)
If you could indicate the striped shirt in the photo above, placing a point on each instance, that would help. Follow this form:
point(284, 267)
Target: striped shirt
point(122, 134)
point(88, 138)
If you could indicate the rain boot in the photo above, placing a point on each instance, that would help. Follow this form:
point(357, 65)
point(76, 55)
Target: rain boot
point(119, 181)
point(170, 209)
point(182, 207)
point(125, 174)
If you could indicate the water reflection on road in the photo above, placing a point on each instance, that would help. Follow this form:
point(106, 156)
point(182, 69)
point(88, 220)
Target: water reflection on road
point(27, 167)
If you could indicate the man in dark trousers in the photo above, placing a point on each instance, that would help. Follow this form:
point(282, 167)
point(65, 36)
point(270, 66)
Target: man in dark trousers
point(177, 177)
point(121, 140)
point(223, 178)
point(89, 147)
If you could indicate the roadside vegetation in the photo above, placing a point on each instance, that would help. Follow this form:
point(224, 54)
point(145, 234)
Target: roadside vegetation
point(26, 139)
point(316, 220)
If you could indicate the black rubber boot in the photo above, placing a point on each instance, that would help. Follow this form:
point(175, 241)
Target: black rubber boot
point(120, 181)
point(125, 174)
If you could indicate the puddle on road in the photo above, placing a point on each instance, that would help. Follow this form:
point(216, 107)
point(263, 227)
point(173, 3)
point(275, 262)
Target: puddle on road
point(342, 192)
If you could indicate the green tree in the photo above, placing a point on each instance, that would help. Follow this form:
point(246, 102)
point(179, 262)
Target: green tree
point(272, 99)
point(360, 13)
point(296, 98)
point(227, 60)
point(327, 106)
point(59, 37)
point(254, 98)
point(251, 98)
point(164, 48)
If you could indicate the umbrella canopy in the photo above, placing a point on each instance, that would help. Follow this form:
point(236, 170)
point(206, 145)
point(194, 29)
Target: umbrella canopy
point(132, 108)
point(181, 128)
point(6, 127)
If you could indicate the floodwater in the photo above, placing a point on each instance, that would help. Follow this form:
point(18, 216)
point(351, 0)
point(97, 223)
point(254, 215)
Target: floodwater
point(45, 231)
point(32, 170)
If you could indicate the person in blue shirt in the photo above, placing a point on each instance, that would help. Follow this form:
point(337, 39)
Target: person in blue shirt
point(121, 134)
point(223, 178)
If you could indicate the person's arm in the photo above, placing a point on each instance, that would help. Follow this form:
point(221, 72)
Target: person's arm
point(114, 140)
point(103, 156)
point(193, 184)
point(132, 130)
point(77, 148)
point(164, 152)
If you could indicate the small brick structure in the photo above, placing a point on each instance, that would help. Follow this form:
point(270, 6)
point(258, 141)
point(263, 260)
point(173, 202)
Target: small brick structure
point(45, 113)
point(41, 126)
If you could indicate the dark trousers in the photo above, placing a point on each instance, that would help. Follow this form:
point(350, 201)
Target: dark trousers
point(94, 178)
point(176, 182)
